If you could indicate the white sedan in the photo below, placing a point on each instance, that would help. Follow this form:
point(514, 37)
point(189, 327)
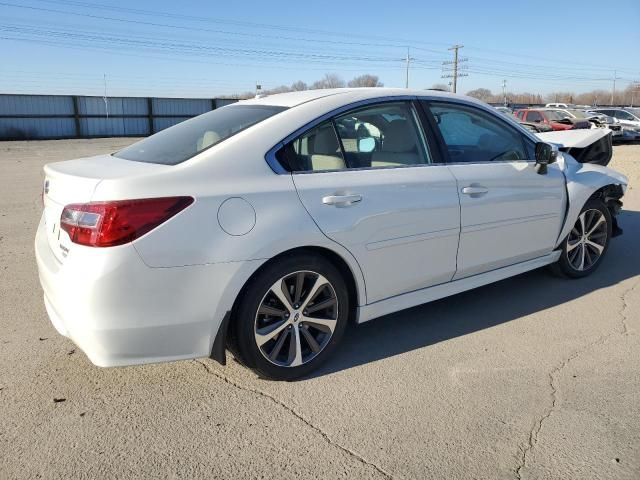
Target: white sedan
point(266, 226)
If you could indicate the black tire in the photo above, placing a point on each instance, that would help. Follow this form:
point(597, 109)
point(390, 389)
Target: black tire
point(247, 317)
point(564, 266)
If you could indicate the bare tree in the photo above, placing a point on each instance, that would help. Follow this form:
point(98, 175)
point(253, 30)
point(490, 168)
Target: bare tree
point(366, 80)
point(330, 80)
point(483, 94)
point(298, 86)
point(440, 86)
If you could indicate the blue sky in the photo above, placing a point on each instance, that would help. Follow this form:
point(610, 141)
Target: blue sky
point(206, 48)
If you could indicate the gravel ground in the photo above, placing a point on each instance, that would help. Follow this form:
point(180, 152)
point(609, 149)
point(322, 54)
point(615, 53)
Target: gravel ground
point(531, 377)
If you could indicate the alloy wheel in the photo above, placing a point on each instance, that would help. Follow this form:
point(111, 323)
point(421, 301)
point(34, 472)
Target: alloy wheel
point(587, 240)
point(296, 319)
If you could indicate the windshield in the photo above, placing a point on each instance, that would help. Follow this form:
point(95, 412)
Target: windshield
point(578, 113)
point(184, 140)
point(556, 115)
point(634, 111)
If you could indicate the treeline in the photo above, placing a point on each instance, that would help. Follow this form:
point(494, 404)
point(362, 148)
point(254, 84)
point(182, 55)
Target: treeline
point(330, 80)
point(629, 95)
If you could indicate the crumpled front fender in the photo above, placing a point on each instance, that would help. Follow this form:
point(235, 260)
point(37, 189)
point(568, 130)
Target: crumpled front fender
point(583, 180)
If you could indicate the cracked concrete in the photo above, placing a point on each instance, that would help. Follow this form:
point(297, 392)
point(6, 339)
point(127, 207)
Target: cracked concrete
point(534, 377)
point(554, 387)
point(296, 414)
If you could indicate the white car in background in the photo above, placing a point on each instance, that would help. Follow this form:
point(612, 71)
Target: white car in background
point(268, 225)
point(629, 119)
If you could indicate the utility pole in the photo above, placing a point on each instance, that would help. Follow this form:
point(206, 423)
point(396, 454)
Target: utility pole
point(407, 60)
point(613, 92)
point(504, 92)
point(453, 71)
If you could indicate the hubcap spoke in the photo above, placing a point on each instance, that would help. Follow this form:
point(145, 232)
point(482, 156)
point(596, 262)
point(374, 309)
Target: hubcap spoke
point(278, 346)
point(323, 323)
point(279, 289)
point(598, 248)
point(581, 220)
point(324, 304)
point(595, 225)
point(295, 349)
point(299, 284)
point(271, 311)
point(571, 246)
point(319, 283)
point(313, 344)
point(267, 333)
point(581, 266)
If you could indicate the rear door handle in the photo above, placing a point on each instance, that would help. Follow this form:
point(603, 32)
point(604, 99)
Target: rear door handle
point(475, 190)
point(341, 200)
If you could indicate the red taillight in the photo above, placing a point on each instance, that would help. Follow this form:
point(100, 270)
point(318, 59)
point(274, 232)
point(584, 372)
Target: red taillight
point(106, 224)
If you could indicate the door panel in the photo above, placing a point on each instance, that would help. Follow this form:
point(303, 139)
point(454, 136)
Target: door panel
point(509, 213)
point(401, 224)
point(517, 219)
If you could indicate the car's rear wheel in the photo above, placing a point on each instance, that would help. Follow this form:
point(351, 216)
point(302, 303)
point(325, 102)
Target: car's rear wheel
point(291, 317)
point(587, 242)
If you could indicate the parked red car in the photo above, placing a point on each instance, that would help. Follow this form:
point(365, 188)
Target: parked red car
point(556, 119)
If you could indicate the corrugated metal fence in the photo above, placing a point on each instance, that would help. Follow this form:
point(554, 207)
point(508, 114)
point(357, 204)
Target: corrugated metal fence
point(25, 117)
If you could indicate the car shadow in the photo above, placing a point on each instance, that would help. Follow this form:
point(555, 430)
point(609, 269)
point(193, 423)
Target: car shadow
point(484, 307)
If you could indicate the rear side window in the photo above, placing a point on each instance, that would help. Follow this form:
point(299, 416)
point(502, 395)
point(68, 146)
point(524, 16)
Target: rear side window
point(472, 136)
point(184, 140)
point(378, 136)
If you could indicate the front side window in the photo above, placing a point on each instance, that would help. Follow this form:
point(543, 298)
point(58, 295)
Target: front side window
point(534, 117)
point(384, 135)
point(472, 135)
point(184, 140)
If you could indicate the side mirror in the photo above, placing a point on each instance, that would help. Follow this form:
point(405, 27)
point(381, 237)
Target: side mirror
point(544, 156)
point(367, 144)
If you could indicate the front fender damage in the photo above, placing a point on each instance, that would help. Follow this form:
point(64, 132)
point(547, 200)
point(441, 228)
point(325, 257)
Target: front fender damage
point(587, 181)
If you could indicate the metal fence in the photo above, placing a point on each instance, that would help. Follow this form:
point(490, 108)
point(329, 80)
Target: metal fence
point(25, 117)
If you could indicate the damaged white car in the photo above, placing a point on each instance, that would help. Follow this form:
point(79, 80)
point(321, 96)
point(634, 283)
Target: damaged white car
point(268, 225)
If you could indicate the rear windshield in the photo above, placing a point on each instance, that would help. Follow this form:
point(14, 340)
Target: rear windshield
point(184, 140)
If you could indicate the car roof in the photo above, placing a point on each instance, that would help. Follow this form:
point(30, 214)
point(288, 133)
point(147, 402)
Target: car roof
point(292, 99)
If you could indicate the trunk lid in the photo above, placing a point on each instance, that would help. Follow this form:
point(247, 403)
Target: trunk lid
point(75, 181)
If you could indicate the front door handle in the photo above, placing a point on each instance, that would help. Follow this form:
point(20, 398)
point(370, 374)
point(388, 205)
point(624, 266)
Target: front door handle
point(475, 190)
point(341, 200)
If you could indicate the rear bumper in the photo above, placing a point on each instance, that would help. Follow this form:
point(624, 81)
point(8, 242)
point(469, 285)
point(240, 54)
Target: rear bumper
point(121, 312)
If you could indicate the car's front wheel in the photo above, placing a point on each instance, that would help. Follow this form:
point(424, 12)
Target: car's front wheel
point(588, 241)
point(291, 316)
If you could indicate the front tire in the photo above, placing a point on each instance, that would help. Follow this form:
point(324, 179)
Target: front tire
point(291, 317)
point(588, 241)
